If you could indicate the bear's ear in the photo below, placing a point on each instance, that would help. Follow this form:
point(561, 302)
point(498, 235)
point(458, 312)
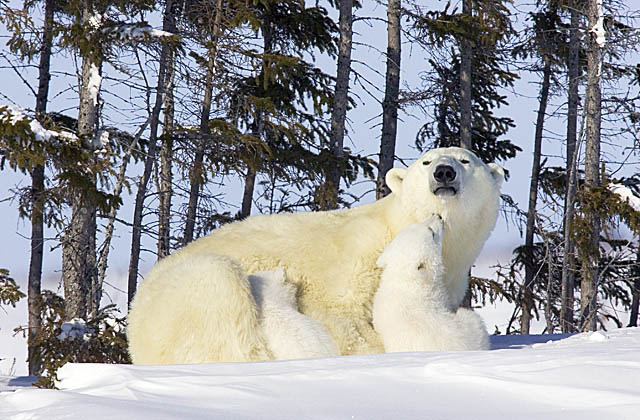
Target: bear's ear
point(497, 172)
point(394, 179)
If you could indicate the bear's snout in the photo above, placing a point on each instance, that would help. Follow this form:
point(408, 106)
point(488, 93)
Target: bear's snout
point(444, 174)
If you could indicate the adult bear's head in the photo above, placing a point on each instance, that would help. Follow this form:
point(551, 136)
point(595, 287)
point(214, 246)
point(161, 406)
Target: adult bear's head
point(451, 182)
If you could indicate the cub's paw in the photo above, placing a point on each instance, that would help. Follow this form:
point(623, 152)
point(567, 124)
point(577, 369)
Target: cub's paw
point(415, 245)
point(435, 225)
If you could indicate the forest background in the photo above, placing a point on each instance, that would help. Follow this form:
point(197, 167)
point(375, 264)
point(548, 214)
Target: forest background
point(252, 122)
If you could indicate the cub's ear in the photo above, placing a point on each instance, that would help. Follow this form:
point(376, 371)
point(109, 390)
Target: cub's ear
point(394, 179)
point(497, 172)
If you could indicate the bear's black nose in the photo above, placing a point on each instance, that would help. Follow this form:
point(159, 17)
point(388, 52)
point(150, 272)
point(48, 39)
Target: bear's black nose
point(444, 174)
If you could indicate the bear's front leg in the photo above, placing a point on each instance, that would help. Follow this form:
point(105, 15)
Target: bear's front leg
point(410, 308)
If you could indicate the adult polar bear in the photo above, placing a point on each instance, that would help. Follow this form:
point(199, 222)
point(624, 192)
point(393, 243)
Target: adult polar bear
point(196, 305)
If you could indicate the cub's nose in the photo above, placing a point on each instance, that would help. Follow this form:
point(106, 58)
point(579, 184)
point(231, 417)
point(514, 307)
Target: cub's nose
point(444, 174)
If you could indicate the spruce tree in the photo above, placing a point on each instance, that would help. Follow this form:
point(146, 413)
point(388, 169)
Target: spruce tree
point(390, 103)
point(443, 33)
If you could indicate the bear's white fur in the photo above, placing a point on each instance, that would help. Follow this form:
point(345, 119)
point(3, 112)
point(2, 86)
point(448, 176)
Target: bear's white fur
point(196, 304)
point(288, 333)
point(410, 307)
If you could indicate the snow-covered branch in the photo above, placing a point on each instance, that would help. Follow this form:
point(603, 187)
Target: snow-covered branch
point(12, 115)
point(76, 328)
point(626, 194)
point(135, 32)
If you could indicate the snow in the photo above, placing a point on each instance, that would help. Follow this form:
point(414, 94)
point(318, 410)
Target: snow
point(100, 141)
point(93, 85)
point(13, 114)
point(137, 32)
point(96, 20)
point(625, 194)
point(76, 328)
point(585, 376)
point(598, 28)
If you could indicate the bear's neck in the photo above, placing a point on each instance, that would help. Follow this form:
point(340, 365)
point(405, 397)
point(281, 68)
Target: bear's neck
point(469, 229)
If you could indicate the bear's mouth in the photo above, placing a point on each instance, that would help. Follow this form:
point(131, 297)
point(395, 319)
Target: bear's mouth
point(445, 191)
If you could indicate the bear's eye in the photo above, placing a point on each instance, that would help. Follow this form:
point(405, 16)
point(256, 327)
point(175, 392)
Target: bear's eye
point(464, 161)
point(426, 162)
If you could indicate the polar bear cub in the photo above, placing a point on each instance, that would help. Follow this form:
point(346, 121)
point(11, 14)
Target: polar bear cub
point(411, 308)
point(288, 333)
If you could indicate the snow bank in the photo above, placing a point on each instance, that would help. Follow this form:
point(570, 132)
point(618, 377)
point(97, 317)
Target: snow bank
point(586, 376)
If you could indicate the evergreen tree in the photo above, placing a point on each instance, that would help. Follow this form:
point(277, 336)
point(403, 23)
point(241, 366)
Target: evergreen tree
point(391, 93)
point(591, 249)
point(546, 42)
point(340, 102)
point(170, 15)
point(443, 33)
point(568, 261)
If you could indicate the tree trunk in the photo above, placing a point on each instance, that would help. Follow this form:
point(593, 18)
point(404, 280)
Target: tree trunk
point(247, 196)
point(79, 271)
point(635, 303)
point(591, 256)
point(530, 268)
point(466, 55)
point(258, 123)
point(635, 293)
point(35, 266)
point(390, 103)
point(169, 25)
point(79, 257)
point(111, 217)
point(166, 155)
point(340, 101)
point(37, 190)
point(568, 261)
point(196, 172)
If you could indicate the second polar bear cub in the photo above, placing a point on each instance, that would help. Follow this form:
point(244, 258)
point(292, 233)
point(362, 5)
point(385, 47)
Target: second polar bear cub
point(409, 308)
point(288, 333)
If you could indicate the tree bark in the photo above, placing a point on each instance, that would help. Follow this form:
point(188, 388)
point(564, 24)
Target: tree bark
point(568, 261)
point(390, 102)
point(530, 268)
point(166, 156)
point(466, 55)
point(34, 289)
point(169, 25)
point(635, 293)
point(591, 256)
point(340, 101)
point(247, 196)
point(258, 124)
point(79, 271)
point(196, 172)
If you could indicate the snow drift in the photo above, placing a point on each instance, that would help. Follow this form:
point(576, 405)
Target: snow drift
point(585, 376)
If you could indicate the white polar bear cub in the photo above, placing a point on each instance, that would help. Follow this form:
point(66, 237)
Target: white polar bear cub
point(288, 333)
point(410, 308)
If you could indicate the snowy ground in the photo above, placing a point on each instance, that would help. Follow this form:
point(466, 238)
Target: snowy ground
point(586, 376)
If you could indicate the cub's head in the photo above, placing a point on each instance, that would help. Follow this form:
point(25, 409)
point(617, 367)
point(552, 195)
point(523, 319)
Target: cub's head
point(452, 182)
